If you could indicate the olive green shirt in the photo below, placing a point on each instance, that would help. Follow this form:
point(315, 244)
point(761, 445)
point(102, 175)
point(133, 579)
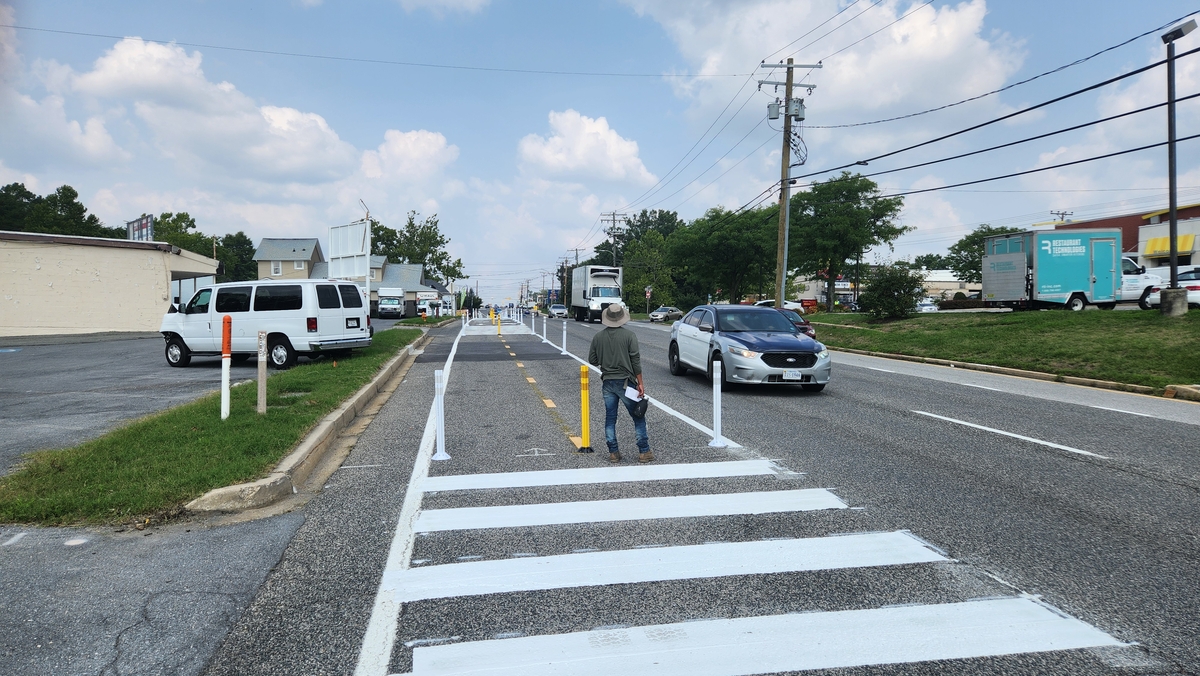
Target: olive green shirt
point(616, 352)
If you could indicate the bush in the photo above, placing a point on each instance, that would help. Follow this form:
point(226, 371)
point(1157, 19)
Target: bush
point(960, 296)
point(893, 291)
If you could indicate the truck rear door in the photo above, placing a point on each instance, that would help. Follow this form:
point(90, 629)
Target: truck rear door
point(354, 311)
point(1104, 271)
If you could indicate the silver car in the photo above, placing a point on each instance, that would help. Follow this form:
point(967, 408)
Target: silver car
point(754, 345)
point(666, 313)
point(558, 310)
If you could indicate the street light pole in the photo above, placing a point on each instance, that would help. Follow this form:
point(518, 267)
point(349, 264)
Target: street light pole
point(1172, 301)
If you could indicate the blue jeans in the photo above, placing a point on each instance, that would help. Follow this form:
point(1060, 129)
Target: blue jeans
point(614, 391)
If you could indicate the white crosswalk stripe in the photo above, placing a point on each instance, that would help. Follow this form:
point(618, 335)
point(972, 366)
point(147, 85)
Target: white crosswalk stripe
point(628, 509)
point(599, 475)
point(754, 645)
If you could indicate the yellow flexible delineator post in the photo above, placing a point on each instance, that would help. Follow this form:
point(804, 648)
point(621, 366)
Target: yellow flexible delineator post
point(585, 445)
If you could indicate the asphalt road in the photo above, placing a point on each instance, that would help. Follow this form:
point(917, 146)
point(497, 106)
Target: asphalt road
point(948, 508)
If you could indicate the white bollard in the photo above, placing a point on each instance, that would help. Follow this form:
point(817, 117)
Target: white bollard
point(544, 320)
point(564, 343)
point(439, 399)
point(718, 441)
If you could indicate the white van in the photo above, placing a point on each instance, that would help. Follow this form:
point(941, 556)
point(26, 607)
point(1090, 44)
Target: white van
point(301, 317)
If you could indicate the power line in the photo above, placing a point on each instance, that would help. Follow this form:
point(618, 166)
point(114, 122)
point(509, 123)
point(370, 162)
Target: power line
point(893, 23)
point(1025, 140)
point(1001, 118)
point(385, 62)
point(1010, 86)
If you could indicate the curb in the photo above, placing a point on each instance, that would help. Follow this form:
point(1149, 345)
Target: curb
point(296, 467)
point(1189, 392)
point(1021, 373)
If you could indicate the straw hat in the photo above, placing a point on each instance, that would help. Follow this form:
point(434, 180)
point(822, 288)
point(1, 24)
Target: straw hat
point(614, 315)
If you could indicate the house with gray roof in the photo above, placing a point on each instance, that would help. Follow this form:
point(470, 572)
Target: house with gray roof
point(288, 258)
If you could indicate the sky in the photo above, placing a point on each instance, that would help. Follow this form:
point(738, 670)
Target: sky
point(519, 123)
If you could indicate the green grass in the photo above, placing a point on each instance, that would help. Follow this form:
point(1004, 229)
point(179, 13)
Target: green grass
point(1140, 348)
point(156, 464)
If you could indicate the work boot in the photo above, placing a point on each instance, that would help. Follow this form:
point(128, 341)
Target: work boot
point(614, 457)
point(648, 456)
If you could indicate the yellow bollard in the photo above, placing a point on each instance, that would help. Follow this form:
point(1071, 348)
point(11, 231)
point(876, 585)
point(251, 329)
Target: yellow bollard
point(585, 445)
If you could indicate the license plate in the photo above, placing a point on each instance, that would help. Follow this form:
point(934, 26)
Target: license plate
point(793, 374)
point(352, 323)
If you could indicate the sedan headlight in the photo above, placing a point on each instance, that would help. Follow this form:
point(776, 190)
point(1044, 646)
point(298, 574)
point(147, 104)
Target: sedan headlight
point(823, 354)
point(743, 352)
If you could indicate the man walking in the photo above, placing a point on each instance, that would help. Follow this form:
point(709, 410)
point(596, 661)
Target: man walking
point(615, 351)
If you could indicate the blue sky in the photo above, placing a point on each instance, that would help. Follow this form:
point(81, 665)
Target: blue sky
point(519, 165)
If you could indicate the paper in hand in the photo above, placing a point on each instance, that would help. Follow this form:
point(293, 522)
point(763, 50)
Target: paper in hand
point(632, 393)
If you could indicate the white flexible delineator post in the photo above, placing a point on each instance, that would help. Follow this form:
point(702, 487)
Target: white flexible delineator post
point(564, 343)
point(439, 398)
point(718, 441)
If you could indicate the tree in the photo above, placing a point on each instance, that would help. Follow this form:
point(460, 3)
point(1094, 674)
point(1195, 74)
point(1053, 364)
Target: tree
point(893, 291)
point(931, 262)
point(646, 266)
point(725, 253)
point(835, 221)
point(236, 253)
point(180, 230)
point(59, 213)
point(966, 255)
point(420, 243)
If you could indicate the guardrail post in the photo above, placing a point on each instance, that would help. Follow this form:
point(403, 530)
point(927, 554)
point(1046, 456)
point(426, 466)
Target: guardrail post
point(439, 402)
point(262, 372)
point(564, 343)
point(718, 441)
point(226, 358)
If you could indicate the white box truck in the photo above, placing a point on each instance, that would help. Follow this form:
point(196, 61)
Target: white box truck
point(391, 302)
point(593, 288)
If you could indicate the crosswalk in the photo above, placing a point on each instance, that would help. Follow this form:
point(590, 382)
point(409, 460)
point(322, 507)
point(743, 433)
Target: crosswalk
point(1013, 624)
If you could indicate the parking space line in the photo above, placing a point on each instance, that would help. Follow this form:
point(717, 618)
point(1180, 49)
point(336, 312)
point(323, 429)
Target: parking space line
point(627, 566)
point(14, 539)
point(982, 387)
point(779, 643)
point(1014, 436)
point(1120, 410)
point(627, 509)
point(599, 475)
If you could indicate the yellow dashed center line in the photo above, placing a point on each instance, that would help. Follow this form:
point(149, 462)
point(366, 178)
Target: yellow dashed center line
point(548, 403)
point(531, 380)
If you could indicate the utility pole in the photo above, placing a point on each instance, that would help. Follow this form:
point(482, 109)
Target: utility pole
point(576, 254)
point(613, 230)
point(792, 108)
point(1062, 215)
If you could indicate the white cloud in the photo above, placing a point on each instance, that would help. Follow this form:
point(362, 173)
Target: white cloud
point(207, 127)
point(438, 7)
point(583, 147)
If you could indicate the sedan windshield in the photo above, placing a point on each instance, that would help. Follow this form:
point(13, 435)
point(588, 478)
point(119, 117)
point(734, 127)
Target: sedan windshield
point(793, 316)
point(748, 320)
point(663, 310)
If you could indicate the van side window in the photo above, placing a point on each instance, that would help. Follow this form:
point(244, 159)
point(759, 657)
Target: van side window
point(351, 297)
point(327, 297)
point(233, 299)
point(271, 297)
point(199, 304)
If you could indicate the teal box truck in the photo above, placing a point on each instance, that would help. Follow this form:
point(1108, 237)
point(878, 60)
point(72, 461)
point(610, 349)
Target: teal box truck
point(1060, 269)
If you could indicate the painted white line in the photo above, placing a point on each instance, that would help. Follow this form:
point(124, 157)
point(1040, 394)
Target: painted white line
point(628, 509)
point(982, 387)
point(667, 409)
point(660, 563)
point(877, 369)
point(599, 475)
point(1120, 410)
point(1014, 436)
point(14, 539)
point(756, 645)
point(380, 636)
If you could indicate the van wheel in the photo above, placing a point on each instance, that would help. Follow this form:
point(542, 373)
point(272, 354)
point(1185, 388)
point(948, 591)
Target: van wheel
point(676, 366)
point(1075, 303)
point(178, 354)
point(280, 354)
point(1142, 302)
